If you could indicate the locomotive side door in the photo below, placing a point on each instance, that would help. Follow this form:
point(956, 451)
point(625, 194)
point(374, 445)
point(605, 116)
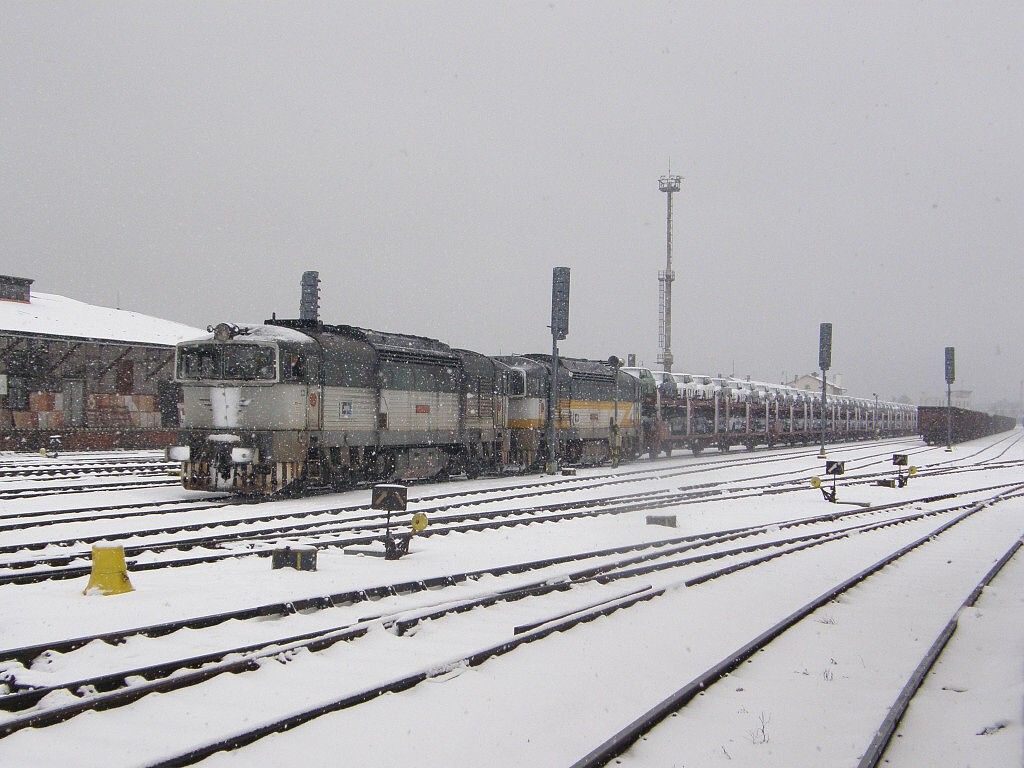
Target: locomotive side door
point(314, 393)
point(302, 372)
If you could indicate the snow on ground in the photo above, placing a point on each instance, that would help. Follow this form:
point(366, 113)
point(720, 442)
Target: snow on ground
point(968, 711)
point(549, 702)
point(811, 698)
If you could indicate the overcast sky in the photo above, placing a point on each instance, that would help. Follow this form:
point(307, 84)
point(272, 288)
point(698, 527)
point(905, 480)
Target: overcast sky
point(856, 163)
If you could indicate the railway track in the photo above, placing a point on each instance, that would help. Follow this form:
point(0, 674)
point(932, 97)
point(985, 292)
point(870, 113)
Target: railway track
point(158, 468)
point(100, 469)
point(876, 750)
point(46, 517)
point(8, 459)
point(560, 617)
point(981, 641)
point(655, 468)
point(873, 583)
point(364, 529)
point(556, 484)
point(533, 489)
point(11, 494)
point(604, 567)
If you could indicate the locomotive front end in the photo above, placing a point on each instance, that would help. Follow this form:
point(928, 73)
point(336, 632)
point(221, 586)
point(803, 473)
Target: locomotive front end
point(247, 409)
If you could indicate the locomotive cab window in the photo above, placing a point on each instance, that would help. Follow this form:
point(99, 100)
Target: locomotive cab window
point(198, 362)
point(248, 363)
point(517, 383)
point(233, 362)
point(293, 367)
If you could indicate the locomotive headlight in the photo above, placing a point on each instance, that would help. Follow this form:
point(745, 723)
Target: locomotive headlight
point(179, 453)
point(241, 455)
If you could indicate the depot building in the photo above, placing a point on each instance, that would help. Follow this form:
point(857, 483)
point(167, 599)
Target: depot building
point(96, 376)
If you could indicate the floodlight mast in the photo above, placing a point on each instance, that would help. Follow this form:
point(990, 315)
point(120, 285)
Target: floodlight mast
point(667, 184)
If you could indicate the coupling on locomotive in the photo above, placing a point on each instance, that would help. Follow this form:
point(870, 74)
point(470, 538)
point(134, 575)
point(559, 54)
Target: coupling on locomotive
point(291, 405)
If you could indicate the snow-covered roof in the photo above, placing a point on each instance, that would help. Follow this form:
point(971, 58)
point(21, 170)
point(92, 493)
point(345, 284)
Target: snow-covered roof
point(278, 333)
point(60, 316)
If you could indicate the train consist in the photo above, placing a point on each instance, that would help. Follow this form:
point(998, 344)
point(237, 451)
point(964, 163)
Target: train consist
point(697, 412)
point(938, 423)
point(297, 404)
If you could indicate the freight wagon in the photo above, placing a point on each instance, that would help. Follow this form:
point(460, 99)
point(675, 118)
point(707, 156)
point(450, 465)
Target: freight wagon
point(936, 423)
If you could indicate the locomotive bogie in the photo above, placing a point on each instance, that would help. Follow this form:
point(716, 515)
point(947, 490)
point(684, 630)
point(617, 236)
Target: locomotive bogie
point(262, 479)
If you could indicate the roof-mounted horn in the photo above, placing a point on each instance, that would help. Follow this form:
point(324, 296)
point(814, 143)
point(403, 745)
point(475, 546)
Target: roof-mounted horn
point(226, 331)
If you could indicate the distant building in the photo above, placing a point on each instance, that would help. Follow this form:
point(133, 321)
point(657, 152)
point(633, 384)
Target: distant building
point(1005, 408)
point(959, 398)
point(97, 376)
point(811, 382)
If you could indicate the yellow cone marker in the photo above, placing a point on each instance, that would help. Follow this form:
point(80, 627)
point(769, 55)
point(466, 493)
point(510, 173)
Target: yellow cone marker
point(109, 573)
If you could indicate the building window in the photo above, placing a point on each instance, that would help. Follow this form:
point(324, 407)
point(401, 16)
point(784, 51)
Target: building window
point(17, 393)
point(125, 377)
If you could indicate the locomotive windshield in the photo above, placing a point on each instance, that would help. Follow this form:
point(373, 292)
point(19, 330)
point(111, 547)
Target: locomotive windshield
point(234, 362)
